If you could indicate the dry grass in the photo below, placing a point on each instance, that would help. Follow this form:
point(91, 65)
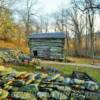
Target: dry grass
point(81, 60)
point(14, 45)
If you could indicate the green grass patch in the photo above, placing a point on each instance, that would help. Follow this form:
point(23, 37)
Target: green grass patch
point(24, 68)
point(93, 72)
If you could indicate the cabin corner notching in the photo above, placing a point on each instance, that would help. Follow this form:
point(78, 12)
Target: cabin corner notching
point(47, 45)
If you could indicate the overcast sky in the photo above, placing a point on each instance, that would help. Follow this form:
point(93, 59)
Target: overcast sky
point(44, 6)
point(51, 6)
point(47, 7)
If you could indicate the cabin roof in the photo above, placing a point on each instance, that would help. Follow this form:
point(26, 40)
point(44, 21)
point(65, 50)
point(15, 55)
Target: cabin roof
point(48, 35)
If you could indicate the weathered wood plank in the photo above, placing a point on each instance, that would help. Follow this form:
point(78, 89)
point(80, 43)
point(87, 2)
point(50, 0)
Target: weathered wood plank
point(49, 40)
point(46, 44)
point(47, 48)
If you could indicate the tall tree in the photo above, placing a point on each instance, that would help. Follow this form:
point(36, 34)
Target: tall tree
point(46, 24)
point(90, 7)
point(27, 17)
point(77, 27)
point(27, 13)
point(7, 24)
point(61, 25)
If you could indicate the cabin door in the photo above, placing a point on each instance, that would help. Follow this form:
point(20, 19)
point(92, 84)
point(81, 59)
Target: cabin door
point(35, 53)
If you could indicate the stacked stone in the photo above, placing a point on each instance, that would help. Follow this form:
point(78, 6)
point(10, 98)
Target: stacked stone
point(16, 85)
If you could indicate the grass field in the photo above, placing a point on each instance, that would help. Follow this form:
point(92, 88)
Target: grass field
point(93, 72)
point(83, 60)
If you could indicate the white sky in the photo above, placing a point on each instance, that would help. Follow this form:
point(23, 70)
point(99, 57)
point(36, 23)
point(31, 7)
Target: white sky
point(47, 7)
point(97, 23)
point(44, 6)
point(50, 6)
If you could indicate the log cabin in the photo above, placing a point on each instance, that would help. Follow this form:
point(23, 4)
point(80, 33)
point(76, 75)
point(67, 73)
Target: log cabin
point(47, 45)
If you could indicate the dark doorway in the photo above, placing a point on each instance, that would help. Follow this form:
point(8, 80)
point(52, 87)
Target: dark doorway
point(35, 53)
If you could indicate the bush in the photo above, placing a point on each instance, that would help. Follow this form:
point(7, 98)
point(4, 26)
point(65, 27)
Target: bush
point(35, 62)
point(1, 61)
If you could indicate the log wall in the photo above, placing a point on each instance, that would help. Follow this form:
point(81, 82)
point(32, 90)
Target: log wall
point(47, 48)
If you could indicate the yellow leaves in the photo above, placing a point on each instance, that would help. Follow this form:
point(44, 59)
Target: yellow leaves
point(7, 27)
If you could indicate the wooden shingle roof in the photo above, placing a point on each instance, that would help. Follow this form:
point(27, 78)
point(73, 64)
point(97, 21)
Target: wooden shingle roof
point(60, 35)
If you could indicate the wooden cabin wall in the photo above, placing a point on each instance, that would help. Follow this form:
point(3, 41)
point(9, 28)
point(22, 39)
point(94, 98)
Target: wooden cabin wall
point(47, 48)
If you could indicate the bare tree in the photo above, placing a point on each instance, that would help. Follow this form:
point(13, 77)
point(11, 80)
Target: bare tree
point(61, 21)
point(27, 16)
point(77, 27)
point(91, 13)
point(46, 22)
point(90, 7)
point(41, 23)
